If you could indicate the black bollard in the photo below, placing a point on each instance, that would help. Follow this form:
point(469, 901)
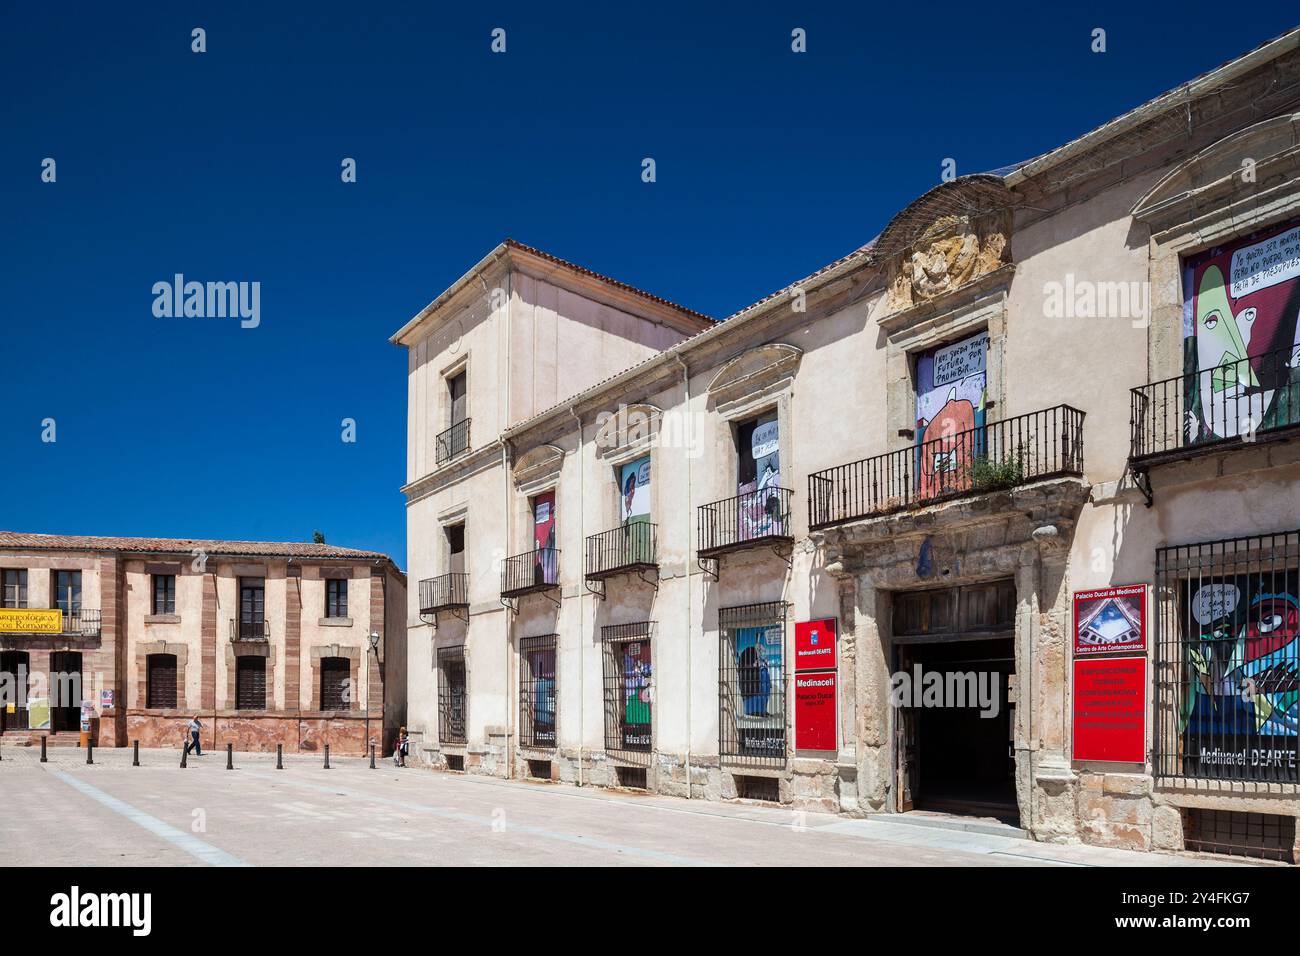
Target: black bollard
point(230, 756)
point(43, 760)
point(185, 752)
point(279, 756)
point(372, 756)
point(135, 753)
point(90, 752)
point(327, 756)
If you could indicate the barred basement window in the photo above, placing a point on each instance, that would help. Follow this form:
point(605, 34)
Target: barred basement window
point(1227, 656)
point(250, 683)
point(537, 686)
point(629, 689)
point(751, 684)
point(452, 702)
point(160, 681)
point(335, 683)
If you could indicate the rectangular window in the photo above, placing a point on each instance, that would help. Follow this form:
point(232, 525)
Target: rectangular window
point(252, 609)
point(15, 587)
point(1227, 634)
point(452, 701)
point(250, 683)
point(164, 594)
point(537, 689)
point(951, 397)
point(336, 597)
point(67, 591)
point(160, 681)
point(751, 684)
point(335, 683)
point(456, 548)
point(458, 397)
point(629, 688)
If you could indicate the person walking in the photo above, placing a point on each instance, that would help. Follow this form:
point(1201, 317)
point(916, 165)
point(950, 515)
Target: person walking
point(194, 728)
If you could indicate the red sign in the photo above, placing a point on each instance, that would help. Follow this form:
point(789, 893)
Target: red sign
point(1110, 619)
point(1110, 695)
point(814, 645)
point(814, 711)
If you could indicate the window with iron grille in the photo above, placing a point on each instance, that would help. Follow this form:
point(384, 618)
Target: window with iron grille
point(452, 699)
point(537, 689)
point(336, 597)
point(1227, 655)
point(15, 587)
point(335, 683)
point(250, 683)
point(160, 681)
point(751, 685)
point(629, 689)
point(164, 594)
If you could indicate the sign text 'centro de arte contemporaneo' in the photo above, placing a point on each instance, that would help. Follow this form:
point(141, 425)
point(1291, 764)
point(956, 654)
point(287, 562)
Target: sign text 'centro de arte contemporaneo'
point(1109, 690)
point(815, 685)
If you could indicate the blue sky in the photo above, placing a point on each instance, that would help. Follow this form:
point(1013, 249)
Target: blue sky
point(225, 166)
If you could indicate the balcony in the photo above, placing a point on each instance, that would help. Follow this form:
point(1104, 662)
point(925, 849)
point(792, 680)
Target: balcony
point(76, 624)
point(993, 457)
point(249, 632)
point(447, 592)
point(748, 520)
point(452, 443)
point(530, 572)
point(630, 548)
point(1239, 402)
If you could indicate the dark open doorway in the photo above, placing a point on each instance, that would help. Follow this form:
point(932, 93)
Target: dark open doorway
point(65, 691)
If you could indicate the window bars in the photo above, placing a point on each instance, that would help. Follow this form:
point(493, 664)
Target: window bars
point(537, 691)
point(629, 690)
point(1227, 635)
point(453, 702)
point(751, 684)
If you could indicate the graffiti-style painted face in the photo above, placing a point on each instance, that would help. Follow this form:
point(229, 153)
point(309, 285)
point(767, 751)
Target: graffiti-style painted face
point(1222, 339)
point(1274, 623)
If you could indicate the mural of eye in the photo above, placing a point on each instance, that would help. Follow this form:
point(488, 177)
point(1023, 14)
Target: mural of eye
point(1211, 320)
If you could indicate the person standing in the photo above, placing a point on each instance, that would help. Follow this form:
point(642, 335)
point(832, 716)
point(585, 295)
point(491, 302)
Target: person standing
point(194, 728)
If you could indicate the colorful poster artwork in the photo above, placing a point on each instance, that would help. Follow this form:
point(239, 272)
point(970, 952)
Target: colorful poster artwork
point(637, 694)
point(546, 563)
point(1241, 336)
point(760, 510)
point(634, 487)
point(38, 713)
point(541, 665)
point(951, 384)
point(760, 716)
point(1241, 715)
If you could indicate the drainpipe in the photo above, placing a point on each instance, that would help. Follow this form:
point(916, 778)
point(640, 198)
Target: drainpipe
point(690, 688)
point(582, 500)
point(505, 473)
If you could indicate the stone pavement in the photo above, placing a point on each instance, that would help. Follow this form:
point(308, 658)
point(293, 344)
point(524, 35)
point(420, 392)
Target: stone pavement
point(67, 813)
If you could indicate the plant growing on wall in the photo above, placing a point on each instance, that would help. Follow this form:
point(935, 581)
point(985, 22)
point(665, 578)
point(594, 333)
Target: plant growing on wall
point(988, 473)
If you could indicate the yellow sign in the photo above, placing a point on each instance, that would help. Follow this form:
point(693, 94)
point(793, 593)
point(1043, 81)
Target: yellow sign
point(37, 620)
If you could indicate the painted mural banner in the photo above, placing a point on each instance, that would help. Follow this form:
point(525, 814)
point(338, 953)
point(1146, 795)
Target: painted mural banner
point(1109, 696)
point(38, 713)
point(1241, 336)
point(814, 645)
point(814, 711)
point(1109, 620)
point(1241, 638)
point(638, 681)
point(760, 718)
point(22, 620)
point(951, 394)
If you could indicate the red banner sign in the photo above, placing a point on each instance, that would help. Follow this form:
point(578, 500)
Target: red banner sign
point(814, 711)
point(1110, 695)
point(1110, 620)
point(814, 645)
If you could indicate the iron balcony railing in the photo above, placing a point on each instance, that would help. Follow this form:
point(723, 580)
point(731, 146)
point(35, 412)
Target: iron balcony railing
point(754, 517)
point(445, 591)
point(630, 547)
point(452, 443)
point(253, 631)
point(531, 571)
point(1005, 454)
point(1235, 400)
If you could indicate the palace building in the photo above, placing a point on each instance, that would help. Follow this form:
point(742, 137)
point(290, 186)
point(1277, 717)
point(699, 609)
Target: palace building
point(1034, 439)
point(300, 645)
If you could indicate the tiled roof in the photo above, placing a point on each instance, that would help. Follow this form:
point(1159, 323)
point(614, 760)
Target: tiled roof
point(270, 549)
point(573, 266)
